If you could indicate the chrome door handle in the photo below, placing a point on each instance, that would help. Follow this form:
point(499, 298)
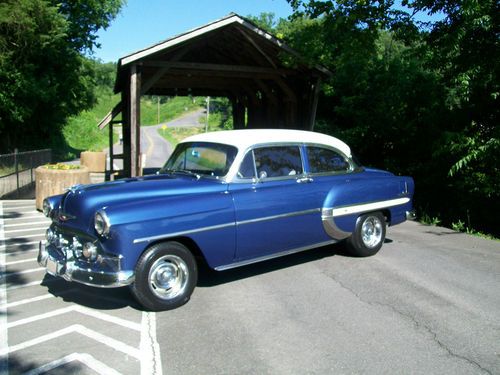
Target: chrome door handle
point(304, 180)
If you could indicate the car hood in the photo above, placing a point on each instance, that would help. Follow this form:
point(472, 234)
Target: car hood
point(80, 203)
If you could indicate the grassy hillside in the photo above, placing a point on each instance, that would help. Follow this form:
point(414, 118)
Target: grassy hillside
point(81, 132)
point(220, 119)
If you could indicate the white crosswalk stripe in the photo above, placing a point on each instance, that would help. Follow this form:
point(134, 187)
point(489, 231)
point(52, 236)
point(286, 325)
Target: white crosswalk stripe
point(59, 316)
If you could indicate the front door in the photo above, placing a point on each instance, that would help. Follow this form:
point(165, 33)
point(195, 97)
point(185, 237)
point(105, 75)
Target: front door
point(277, 207)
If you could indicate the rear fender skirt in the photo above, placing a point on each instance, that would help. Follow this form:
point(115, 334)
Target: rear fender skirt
point(329, 214)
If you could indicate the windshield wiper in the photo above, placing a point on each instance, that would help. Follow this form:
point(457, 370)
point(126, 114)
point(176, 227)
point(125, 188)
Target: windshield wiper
point(183, 171)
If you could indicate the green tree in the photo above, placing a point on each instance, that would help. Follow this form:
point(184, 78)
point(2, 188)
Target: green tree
point(416, 97)
point(44, 76)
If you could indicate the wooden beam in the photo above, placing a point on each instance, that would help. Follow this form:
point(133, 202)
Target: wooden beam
point(110, 116)
point(161, 72)
point(256, 46)
point(288, 91)
point(219, 67)
point(151, 81)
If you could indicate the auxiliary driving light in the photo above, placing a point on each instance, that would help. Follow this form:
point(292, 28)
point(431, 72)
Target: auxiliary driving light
point(89, 251)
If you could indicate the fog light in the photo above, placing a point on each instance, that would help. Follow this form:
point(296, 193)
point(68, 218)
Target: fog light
point(89, 251)
point(50, 235)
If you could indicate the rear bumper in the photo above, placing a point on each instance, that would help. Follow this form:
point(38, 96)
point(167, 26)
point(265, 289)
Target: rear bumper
point(56, 264)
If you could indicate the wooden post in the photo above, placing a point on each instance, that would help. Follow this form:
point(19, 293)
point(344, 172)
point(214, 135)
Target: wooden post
point(134, 121)
point(111, 153)
point(126, 130)
point(238, 113)
point(314, 105)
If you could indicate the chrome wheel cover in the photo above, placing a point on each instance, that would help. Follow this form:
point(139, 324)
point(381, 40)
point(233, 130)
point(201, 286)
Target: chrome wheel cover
point(168, 277)
point(371, 231)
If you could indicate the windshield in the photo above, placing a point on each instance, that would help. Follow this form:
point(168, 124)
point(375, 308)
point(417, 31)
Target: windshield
point(201, 158)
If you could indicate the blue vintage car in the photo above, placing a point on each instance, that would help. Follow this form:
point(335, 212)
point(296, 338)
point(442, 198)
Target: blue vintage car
point(232, 198)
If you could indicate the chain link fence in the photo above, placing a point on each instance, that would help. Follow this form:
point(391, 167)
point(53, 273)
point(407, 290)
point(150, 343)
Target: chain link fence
point(17, 171)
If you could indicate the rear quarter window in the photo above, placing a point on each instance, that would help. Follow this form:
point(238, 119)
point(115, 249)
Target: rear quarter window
point(325, 160)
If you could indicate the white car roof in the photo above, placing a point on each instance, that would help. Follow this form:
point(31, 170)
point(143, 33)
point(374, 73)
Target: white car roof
point(245, 138)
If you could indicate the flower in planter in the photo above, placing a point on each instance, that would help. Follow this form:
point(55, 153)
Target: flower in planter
point(62, 166)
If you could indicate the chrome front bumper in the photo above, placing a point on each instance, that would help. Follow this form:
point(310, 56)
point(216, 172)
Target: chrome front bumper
point(56, 264)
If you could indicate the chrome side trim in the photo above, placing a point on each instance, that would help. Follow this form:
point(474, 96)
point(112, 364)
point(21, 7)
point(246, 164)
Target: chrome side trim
point(280, 216)
point(331, 227)
point(227, 225)
point(272, 256)
point(365, 207)
point(328, 215)
point(183, 233)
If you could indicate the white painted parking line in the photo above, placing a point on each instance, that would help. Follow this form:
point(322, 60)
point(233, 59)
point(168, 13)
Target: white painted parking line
point(84, 358)
point(4, 342)
point(25, 230)
point(11, 201)
point(149, 347)
point(20, 243)
point(28, 300)
point(21, 252)
point(33, 283)
point(25, 207)
point(76, 328)
point(21, 233)
point(83, 310)
point(26, 224)
point(23, 217)
point(32, 270)
point(20, 261)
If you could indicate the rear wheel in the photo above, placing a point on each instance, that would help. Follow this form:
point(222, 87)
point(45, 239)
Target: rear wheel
point(368, 236)
point(165, 276)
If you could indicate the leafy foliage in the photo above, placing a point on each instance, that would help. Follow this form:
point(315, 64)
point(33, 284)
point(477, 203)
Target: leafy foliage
point(45, 78)
point(419, 98)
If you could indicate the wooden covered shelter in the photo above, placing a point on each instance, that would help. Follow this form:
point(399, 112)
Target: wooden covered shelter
point(269, 85)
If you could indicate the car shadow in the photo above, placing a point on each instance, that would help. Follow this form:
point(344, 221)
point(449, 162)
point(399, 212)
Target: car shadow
point(91, 297)
point(208, 277)
point(117, 298)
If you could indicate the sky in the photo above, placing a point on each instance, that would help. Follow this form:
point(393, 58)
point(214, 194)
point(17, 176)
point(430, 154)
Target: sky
point(142, 23)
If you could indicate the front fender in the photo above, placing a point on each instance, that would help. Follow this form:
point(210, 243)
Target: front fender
point(207, 219)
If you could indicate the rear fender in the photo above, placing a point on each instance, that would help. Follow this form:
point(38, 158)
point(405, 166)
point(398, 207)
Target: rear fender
point(348, 200)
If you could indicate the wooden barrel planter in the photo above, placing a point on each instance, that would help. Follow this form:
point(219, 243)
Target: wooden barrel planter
point(95, 161)
point(51, 180)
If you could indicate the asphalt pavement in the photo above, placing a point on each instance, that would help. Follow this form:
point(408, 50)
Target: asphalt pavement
point(427, 303)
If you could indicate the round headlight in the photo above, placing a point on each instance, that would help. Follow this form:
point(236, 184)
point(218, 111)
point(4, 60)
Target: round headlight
point(46, 208)
point(101, 223)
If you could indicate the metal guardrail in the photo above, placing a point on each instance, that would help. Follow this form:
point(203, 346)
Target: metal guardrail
point(17, 170)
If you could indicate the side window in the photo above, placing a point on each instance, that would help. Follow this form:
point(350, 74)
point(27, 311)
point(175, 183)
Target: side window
point(323, 160)
point(279, 161)
point(247, 167)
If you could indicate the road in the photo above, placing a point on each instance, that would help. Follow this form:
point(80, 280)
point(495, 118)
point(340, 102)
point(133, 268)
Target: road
point(154, 146)
point(427, 303)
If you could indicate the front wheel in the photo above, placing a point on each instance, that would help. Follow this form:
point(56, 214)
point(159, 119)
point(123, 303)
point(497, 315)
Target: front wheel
point(165, 276)
point(368, 236)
